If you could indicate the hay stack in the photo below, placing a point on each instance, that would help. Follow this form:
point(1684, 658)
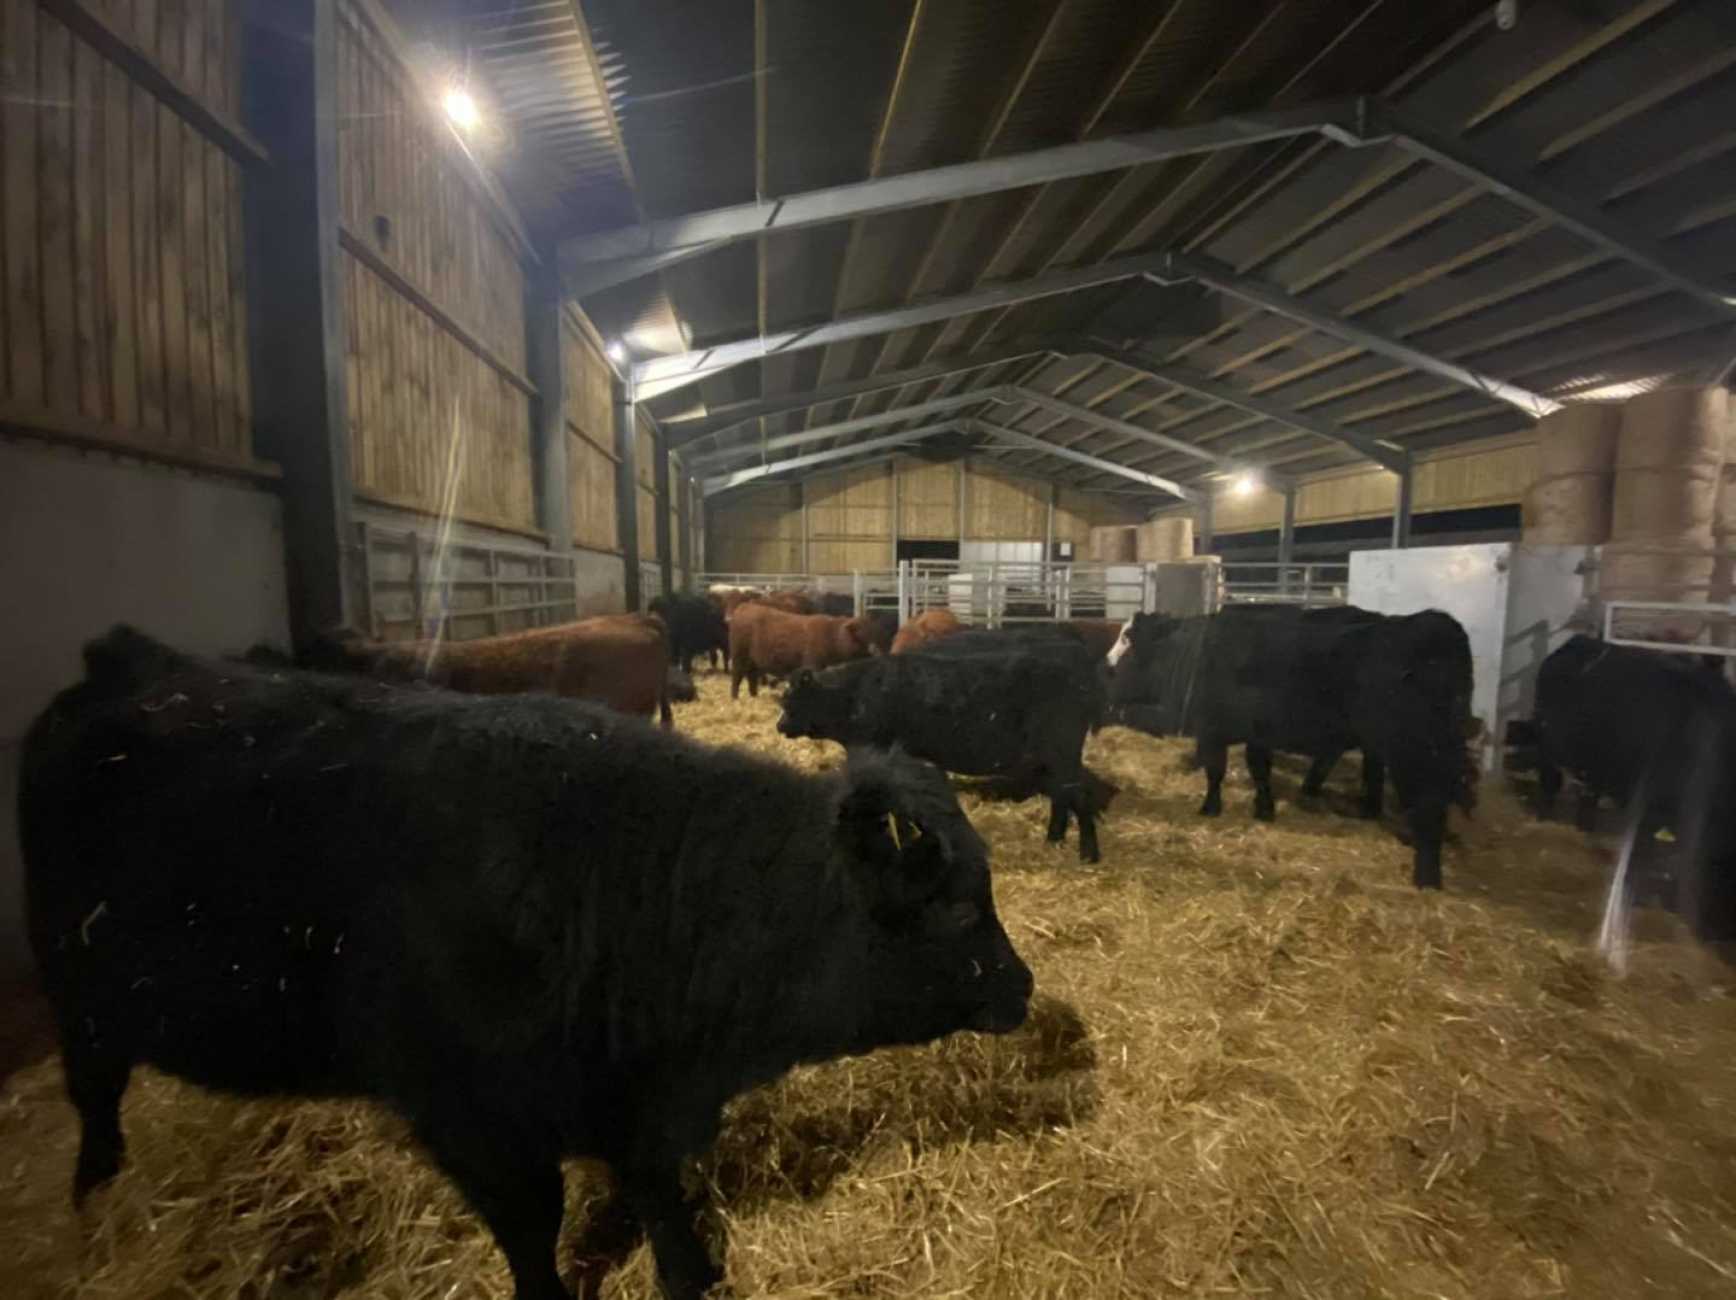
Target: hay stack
point(1569, 504)
point(1164, 540)
point(1117, 545)
point(1669, 455)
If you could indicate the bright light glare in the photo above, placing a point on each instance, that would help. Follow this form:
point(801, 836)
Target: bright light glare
point(461, 108)
point(1245, 485)
point(616, 352)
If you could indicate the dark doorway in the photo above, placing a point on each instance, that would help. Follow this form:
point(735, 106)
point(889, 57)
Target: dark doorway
point(927, 550)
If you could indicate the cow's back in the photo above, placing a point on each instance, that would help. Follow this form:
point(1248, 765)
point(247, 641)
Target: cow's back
point(297, 884)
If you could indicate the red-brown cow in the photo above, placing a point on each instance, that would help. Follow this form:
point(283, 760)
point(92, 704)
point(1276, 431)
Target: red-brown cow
point(768, 642)
point(621, 660)
point(930, 625)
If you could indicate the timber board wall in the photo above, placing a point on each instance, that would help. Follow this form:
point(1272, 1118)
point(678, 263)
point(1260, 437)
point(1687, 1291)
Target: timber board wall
point(1492, 472)
point(645, 471)
point(439, 406)
point(850, 515)
point(588, 387)
point(123, 316)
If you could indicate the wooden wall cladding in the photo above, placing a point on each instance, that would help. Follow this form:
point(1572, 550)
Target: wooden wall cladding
point(1004, 508)
point(431, 428)
point(927, 501)
point(123, 313)
point(438, 402)
point(758, 530)
point(850, 520)
point(588, 388)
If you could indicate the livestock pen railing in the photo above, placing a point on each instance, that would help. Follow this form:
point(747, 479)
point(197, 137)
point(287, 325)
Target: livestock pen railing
point(418, 584)
point(1269, 583)
point(1002, 593)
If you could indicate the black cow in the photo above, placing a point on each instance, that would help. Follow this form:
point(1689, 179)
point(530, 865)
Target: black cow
point(982, 712)
point(1276, 678)
point(835, 603)
point(533, 926)
point(696, 627)
point(1656, 732)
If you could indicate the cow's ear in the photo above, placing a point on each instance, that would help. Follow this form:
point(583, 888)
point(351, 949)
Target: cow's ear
point(908, 833)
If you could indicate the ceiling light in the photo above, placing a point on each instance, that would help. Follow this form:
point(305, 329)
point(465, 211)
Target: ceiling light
point(617, 353)
point(1244, 485)
point(461, 108)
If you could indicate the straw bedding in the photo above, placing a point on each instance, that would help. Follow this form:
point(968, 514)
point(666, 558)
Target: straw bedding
point(1259, 1064)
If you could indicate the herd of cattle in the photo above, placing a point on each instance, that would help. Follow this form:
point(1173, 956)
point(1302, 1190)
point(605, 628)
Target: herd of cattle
point(537, 926)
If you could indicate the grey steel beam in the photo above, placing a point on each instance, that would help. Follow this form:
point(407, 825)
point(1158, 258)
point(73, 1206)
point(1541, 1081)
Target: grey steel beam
point(1287, 538)
point(1511, 181)
point(1086, 415)
point(1028, 443)
point(824, 432)
point(664, 374)
point(1383, 454)
point(594, 262)
point(731, 415)
point(735, 479)
point(1179, 268)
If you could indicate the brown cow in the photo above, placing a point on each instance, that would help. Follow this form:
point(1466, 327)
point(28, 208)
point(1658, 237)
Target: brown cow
point(729, 599)
point(768, 642)
point(930, 625)
point(621, 660)
point(791, 602)
point(1099, 634)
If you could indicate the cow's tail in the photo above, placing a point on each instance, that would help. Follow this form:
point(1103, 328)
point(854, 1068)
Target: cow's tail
point(125, 659)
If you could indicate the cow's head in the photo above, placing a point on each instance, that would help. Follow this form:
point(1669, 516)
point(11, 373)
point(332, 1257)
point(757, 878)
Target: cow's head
point(817, 706)
point(938, 959)
point(1140, 635)
point(865, 636)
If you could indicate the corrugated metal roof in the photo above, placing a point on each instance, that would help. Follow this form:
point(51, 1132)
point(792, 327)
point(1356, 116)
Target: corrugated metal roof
point(1626, 104)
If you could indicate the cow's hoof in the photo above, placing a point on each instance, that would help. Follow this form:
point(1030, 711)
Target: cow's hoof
point(1210, 809)
point(1368, 814)
point(1265, 814)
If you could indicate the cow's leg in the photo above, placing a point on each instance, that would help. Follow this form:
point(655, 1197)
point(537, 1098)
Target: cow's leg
point(735, 675)
point(1373, 786)
point(753, 682)
point(1321, 768)
point(1214, 757)
point(1088, 850)
point(685, 1266)
point(1585, 815)
point(665, 715)
point(1548, 784)
point(96, 1077)
point(1259, 761)
point(518, 1195)
point(1425, 804)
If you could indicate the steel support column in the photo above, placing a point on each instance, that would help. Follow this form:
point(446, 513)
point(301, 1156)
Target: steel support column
point(548, 441)
point(1287, 538)
point(627, 492)
point(1401, 514)
point(296, 304)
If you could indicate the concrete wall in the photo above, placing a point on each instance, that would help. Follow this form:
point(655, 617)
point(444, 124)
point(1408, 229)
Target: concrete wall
point(87, 540)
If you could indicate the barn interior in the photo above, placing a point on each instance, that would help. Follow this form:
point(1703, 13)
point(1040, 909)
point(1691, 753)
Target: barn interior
point(456, 319)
